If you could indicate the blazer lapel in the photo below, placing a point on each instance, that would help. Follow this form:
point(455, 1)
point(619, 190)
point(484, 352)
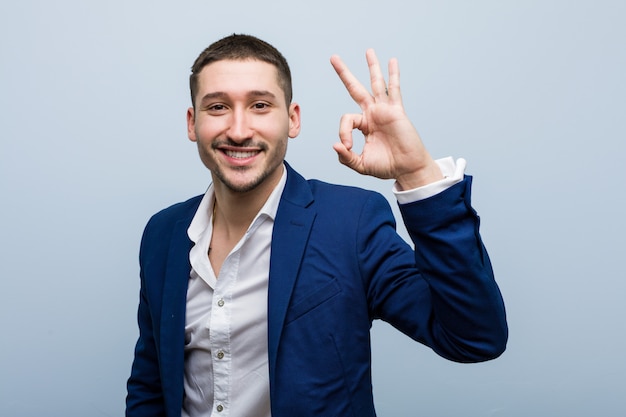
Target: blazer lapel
point(292, 227)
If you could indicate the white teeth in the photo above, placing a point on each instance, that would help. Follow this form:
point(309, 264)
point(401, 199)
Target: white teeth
point(240, 154)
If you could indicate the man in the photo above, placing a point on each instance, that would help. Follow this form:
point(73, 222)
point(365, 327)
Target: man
point(257, 297)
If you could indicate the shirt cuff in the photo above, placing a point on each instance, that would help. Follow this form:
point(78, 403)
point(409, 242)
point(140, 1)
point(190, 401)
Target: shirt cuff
point(453, 173)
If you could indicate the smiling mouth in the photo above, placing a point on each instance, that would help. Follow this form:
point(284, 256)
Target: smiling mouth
point(240, 154)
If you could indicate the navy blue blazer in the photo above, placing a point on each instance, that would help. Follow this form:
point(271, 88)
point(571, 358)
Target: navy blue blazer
point(336, 264)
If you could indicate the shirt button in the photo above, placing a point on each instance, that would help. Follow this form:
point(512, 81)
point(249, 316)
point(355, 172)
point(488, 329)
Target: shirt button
point(219, 408)
point(220, 303)
point(220, 355)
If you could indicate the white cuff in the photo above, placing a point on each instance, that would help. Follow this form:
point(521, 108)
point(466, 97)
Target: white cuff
point(452, 172)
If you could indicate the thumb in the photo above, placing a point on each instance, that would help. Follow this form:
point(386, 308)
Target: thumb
point(346, 156)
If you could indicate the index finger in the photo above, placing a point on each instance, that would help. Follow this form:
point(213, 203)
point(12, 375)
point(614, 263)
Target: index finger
point(356, 90)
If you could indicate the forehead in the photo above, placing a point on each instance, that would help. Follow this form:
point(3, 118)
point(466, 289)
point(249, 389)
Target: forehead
point(232, 76)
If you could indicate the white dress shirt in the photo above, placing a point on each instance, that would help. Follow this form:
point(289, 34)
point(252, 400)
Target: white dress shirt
point(226, 357)
point(226, 353)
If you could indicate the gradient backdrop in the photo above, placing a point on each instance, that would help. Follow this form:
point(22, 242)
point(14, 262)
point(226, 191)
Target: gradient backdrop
point(93, 141)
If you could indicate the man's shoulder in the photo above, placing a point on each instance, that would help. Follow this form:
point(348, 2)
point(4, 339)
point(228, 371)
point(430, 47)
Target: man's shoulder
point(163, 225)
point(302, 191)
point(319, 187)
point(339, 195)
point(183, 210)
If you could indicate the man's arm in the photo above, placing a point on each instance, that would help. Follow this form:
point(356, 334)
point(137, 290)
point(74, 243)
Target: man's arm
point(468, 314)
point(145, 397)
point(443, 293)
point(144, 392)
point(463, 316)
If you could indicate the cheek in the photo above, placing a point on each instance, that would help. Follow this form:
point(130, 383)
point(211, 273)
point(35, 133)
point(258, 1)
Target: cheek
point(210, 127)
point(205, 130)
point(277, 127)
point(207, 158)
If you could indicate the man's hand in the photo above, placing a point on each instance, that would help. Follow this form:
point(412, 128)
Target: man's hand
point(393, 148)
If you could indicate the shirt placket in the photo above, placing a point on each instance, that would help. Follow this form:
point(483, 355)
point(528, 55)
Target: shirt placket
point(220, 334)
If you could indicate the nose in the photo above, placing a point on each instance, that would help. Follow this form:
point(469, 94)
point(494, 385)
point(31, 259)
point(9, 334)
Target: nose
point(239, 129)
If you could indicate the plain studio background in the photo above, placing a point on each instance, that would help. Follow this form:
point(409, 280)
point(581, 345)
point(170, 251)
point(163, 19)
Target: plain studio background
point(92, 128)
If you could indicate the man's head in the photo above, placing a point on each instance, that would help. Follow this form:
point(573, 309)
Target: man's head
point(242, 114)
point(242, 47)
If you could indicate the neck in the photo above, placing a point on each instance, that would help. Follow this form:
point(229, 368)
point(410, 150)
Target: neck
point(234, 211)
point(232, 215)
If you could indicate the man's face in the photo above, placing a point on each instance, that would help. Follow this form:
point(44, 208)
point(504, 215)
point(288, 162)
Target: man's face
point(242, 123)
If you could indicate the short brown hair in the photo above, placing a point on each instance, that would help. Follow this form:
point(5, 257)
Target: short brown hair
point(242, 47)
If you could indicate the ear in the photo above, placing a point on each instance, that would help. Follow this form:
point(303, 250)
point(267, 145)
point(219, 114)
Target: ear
point(294, 120)
point(191, 124)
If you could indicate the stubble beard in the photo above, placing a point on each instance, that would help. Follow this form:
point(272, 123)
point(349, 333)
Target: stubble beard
point(276, 160)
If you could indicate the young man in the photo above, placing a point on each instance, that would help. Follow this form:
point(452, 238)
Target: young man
point(257, 297)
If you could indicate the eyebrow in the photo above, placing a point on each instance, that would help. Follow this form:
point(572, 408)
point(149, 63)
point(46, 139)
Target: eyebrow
point(250, 94)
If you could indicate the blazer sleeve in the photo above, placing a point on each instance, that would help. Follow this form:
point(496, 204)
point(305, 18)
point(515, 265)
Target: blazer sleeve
point(448, 298)
point(144, 392)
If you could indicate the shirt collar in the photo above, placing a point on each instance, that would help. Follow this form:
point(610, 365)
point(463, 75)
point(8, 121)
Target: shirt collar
point(202, 219)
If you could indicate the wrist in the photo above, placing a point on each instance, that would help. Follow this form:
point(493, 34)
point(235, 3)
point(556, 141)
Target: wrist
point(424, 176)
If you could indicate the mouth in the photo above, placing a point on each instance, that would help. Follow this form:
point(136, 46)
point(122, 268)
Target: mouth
point(238, 154)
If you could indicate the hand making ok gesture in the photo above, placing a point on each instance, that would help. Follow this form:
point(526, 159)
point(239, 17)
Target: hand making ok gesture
point(393, 148)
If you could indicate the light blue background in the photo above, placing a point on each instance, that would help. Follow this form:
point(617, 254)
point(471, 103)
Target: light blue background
point(92, 127)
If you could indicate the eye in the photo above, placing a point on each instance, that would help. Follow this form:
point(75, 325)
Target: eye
point(217, 107)
point(260, 106)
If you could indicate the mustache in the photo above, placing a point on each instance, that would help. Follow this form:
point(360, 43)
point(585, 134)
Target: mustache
point(248, 143)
